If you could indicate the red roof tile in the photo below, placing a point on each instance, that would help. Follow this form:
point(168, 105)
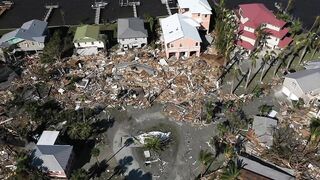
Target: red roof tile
point(258, 14)
point(245, 44)
point(285, 42)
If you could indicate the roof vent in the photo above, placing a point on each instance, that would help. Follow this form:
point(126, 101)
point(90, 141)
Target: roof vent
point(170, 32)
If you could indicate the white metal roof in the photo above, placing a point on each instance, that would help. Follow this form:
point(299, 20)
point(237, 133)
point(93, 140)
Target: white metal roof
point(196, 6)
point(48, 138)
point(179, 26)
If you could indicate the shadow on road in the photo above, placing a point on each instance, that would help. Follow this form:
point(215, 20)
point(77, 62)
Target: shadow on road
point(137, 174)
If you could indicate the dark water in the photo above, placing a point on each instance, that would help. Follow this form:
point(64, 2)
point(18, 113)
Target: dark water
point(73, 12)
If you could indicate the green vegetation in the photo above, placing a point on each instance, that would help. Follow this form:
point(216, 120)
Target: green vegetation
point(265, 109)
point(80, 174)
point(232, 170)
point(25, 170)
point(52, 50)
point(154, 144)
point(225, 26)
point(205, 158)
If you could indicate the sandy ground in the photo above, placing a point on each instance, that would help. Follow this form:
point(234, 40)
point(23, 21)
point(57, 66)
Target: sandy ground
point(179, 161)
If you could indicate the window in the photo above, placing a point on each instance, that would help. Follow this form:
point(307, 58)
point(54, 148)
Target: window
point(206, 15)
point(180, 45)
point(92, 43)
point(198, 14)
point(197, 43)
point(78, 44)
point(135, 38)
point(168, 45)
point(171, 45)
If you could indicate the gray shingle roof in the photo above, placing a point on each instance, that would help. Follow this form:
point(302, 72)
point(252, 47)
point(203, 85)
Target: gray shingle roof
point(263, 128)
point(61, 153)
point(308, 79)
point(131, 28)
point(32, 30)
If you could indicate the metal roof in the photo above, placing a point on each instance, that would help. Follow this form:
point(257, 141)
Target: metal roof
point(266, 169)
point(32, 30)
point(179, 26)
point(308, 80)
point(54, 157)
point(48, 137)
point(86, 33)
point(131, 28)
point(263, 128)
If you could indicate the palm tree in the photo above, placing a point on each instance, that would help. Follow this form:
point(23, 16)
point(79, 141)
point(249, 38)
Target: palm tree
point(265, 60)
point(79, 174)
point(262, 36)
point(235, 73)
point(306, 42)
point(253, 58)
point(294, 53)
point(315, 47)
point(80, 130)
point(154, 144)
point(315, 26)
point(290, 6)
point(232, 171)
point(95, 152)
point(264, 109)
point(296, 27)
point(314, 131)
point(205, 158)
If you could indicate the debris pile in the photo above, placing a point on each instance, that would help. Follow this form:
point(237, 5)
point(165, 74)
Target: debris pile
point(136, 79)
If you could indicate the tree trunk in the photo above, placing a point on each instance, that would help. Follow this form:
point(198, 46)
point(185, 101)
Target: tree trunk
point(290, 61)
point(313, 53)
point(232, 84)
point(248, 78)
point(303, 54)
point(262, 73)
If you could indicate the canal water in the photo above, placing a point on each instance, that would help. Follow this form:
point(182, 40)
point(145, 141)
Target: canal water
point(72, 12)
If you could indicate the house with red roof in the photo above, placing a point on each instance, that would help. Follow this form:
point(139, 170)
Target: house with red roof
point(255, 15)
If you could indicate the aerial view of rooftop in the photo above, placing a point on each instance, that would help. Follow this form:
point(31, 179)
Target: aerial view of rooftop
point(160, 89)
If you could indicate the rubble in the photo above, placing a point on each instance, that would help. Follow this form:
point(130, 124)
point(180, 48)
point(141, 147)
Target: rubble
point(134, 79)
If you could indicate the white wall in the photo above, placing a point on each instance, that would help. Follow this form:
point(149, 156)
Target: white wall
point(272, 41)
point(132, 42)
point(269, 26)
point(244, 38)
point(98, 44)
point(30, 46)
point(246, 28)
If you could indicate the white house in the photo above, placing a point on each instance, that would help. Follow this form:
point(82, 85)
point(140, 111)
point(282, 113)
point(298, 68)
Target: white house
point(87, 40)
point(180, 36)
point(131, 33)
point(55, 160)
point(198, 10)
point(303, 84)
